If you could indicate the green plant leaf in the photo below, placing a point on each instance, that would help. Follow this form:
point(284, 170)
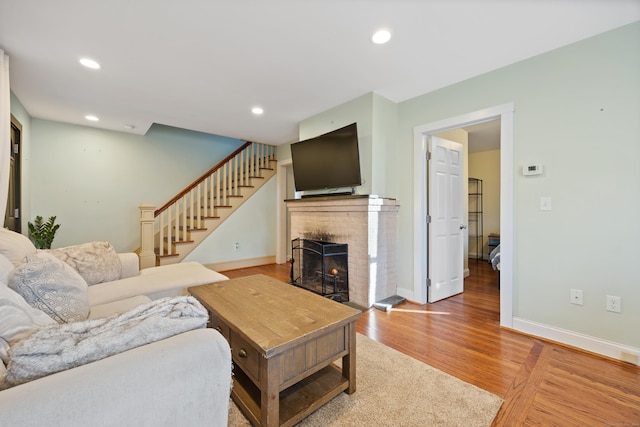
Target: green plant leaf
point(42, 233)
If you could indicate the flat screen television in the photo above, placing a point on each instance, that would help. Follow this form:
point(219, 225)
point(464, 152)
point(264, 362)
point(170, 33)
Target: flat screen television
point(327, 162)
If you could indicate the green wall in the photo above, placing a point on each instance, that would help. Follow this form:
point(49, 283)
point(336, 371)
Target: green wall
point(94, 180)
point(576, 112)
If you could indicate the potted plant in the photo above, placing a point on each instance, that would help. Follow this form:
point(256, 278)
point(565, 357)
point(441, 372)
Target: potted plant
point(42, 233)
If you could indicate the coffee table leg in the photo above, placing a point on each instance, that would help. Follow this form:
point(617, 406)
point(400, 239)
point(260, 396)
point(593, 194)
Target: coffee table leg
point(349, 361)
point(270, 396)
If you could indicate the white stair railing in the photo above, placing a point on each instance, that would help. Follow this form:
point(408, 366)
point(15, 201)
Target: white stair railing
point(204, 197)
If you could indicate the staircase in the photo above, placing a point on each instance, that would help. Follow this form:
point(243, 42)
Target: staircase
point(178, 227)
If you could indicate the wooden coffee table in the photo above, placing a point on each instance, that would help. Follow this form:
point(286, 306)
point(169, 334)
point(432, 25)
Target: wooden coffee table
point(283, 341)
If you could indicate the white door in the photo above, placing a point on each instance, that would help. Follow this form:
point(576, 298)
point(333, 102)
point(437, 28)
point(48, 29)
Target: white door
point(446, 230)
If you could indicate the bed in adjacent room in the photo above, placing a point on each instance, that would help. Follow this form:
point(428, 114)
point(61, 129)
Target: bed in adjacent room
point(494, 258)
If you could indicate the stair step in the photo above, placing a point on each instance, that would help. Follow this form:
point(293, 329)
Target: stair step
point(166, 256)
point(193, 229)
point(173, 241)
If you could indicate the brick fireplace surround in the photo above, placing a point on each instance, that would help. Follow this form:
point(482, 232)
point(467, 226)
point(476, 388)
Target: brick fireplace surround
point(368, 224)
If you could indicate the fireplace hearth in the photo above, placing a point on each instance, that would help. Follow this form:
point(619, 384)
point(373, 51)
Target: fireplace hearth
point(321, 267)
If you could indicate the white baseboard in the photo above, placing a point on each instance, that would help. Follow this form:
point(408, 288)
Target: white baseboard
point(241, 263)
point(575, 339)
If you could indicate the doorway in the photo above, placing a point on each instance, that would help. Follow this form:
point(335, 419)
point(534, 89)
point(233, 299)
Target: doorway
point(505, 113)
point(285, 190)
point(484, 190)
point(12, 215)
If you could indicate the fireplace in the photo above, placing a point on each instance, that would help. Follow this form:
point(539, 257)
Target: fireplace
point(368, 225)
point(321, 267)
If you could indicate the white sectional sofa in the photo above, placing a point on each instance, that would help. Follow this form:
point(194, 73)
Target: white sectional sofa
point(135, 286)
point(181, 380)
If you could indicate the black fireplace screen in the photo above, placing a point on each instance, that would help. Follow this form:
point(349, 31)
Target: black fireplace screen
point(321, 267)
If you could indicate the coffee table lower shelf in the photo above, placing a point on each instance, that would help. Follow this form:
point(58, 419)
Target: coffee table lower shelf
point(297, 401)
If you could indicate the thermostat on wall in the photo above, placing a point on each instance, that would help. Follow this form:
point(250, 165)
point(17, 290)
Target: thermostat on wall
point(532, 169)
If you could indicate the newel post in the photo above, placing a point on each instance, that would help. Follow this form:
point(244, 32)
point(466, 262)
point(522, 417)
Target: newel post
point(147, 254)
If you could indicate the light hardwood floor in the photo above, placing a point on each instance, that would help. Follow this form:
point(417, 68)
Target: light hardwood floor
point(542, 383)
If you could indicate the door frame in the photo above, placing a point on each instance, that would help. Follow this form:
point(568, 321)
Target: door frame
point(281, 212)
point(504, 112)
point(15, 178)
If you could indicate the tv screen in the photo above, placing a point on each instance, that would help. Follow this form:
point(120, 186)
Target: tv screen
point(328, 161)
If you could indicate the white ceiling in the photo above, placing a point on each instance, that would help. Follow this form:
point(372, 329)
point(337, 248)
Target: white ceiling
point(202, 64)
point(484, 136)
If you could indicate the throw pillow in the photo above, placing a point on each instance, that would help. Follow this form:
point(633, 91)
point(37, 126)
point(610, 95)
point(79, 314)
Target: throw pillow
point(15, 246)
point(52, 286)
point(96, 262)
point(19, 320)
point(58, 347)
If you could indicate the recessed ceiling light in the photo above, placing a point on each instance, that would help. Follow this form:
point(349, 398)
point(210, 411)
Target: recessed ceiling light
point(129, 127)
point(91, 118)
point(257, 111)
point(90, 63)
point(381, 37)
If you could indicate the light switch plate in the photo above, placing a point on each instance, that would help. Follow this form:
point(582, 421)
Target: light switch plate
point(545, 203)
point(576, 297)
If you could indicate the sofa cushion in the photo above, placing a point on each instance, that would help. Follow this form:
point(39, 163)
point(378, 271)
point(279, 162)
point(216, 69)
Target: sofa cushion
point(155, 282)
point(19, 320)
point(15, 246)
point(96, 262)
point(117, 307)
point(55, 348)
point(52, 286)
point(6, 267)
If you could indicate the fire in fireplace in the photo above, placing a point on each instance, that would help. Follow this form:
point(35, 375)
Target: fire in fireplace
point(321, 267)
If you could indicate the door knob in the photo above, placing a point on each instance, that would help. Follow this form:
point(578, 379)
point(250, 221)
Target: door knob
point(463, 227)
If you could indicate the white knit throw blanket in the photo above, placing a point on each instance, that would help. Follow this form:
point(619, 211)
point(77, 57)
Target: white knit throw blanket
point(57, 347)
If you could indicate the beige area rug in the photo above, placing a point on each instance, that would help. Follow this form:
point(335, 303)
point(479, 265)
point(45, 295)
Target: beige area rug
point(394, 389)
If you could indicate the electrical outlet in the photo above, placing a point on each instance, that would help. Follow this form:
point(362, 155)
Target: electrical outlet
point(576, 296)
point(236, 247)
point(614, 304)
point(545, 203)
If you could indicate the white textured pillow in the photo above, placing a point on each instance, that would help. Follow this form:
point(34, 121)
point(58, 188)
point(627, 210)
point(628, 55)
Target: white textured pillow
point(19, 320)
point(15, 246)
point(52, 286)
point(96, 262)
